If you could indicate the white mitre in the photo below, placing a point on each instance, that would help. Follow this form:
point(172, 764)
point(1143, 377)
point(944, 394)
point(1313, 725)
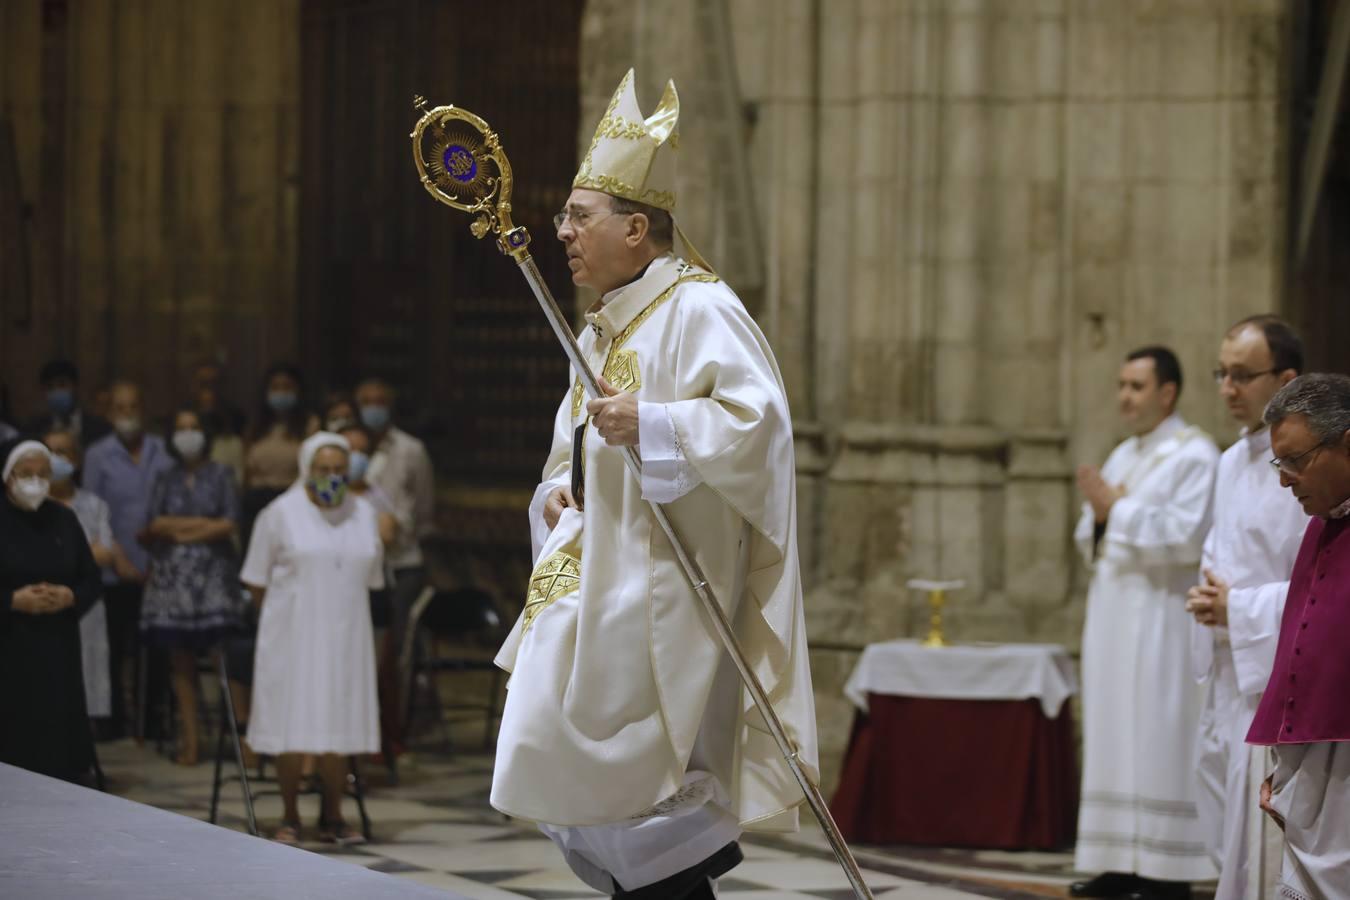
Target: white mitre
point(633, 157)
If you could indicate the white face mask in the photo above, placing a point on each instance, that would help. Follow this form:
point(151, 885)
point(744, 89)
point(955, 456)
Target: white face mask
point(189, 443)
point(128, 427)
point(30, 492)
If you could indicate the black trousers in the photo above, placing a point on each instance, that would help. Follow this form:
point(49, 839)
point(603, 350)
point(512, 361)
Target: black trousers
point(702, 891)
point(693, 883)
point(123, 602)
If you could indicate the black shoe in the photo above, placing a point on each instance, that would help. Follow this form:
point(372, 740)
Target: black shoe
point(687, 883)
point(1107, 884)
point(1149, 889)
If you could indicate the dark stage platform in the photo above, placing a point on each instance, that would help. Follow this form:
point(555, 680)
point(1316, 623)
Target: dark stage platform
point(61, 841)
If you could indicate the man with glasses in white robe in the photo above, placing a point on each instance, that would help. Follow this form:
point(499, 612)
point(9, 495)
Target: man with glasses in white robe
point(1248, 556)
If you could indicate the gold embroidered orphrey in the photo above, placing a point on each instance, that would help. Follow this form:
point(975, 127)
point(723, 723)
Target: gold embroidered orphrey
point(622, 371)
point(621, 367)
point(555, 577)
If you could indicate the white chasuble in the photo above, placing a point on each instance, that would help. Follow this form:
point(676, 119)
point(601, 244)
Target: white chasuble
point(1141, 703)
point(1258, 528)
point(614, 673)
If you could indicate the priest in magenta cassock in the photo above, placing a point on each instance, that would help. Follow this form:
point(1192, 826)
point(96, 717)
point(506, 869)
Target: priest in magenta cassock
point(1146, 515)
point(1304, 713)
point(1248, 556)
point(627, 734)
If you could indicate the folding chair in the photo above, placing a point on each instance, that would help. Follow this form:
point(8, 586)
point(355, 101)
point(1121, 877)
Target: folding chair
point(356, 787)
point(227, 717)
point(166, 702)
point(469, 618)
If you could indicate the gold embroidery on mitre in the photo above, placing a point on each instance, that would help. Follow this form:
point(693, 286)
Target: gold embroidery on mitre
point(631, 156)
point(555, 577)
point(617, 127)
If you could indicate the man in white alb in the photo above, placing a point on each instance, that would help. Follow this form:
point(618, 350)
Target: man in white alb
point(627, 733)
point(1146, 515)
point(1248, 556)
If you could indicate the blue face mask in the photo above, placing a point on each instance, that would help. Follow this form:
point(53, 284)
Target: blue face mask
point(375, 417)
point(329, 490)
point(281, 401)
point(357, 465)
point(62, 469)
point(60, 401)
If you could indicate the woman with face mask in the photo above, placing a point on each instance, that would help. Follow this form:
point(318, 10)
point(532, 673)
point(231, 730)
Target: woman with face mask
point(96, 521)
point(191, 597)
point(48, 580)
point(314, 556)
point(272, 440)
point(358, 468)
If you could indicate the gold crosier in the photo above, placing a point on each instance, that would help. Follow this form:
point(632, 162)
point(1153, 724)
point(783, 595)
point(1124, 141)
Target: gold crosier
point(461, 163)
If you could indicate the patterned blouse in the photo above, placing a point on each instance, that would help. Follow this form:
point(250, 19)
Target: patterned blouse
point(193, 594)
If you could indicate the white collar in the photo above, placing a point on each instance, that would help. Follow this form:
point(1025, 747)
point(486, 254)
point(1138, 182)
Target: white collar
point(1167, 428)
point(1257, 443)
point(649, 267)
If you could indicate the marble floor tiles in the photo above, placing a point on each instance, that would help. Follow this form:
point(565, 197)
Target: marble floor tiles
point(435, 827)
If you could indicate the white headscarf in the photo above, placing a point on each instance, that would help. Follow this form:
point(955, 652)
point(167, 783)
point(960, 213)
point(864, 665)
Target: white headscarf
point(316, 442)
point(26, 448)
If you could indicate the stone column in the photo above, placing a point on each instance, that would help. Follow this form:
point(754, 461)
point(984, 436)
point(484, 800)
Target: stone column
point(1003, 198)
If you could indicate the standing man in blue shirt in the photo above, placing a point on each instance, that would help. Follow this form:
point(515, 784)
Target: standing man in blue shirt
point(122, 469)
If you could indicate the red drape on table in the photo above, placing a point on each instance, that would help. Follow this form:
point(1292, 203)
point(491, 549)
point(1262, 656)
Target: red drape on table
point(959, 773)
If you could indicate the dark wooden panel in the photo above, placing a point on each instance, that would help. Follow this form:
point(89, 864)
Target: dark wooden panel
point(400, 286)
point(156, 157)
point(1318, 299)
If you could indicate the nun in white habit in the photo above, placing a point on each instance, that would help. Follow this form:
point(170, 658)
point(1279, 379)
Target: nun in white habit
point(314, 555)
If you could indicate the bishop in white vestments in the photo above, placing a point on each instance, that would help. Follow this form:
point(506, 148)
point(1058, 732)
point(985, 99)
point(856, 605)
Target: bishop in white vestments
point(1248, 556)
point(1143, 525)
point(627, 734)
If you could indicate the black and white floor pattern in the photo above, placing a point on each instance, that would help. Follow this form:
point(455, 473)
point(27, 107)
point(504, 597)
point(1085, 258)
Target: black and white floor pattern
point(435, 827)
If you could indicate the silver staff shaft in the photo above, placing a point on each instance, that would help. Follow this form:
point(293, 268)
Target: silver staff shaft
point(700, 584)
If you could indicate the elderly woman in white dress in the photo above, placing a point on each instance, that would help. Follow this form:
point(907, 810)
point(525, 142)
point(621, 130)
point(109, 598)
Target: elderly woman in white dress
point(314, 555)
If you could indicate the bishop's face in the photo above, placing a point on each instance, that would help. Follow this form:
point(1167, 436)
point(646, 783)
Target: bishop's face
point(597, 241)
point(1318, 472)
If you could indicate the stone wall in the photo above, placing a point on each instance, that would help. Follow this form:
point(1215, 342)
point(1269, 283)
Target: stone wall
point(969, 211)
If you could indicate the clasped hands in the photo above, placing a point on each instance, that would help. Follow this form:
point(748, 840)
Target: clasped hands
point(1208, 602)
point(1100, 495)
point(43, 598)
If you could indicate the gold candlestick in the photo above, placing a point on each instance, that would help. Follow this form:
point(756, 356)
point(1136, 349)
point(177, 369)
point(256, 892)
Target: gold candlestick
point(937, 599)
